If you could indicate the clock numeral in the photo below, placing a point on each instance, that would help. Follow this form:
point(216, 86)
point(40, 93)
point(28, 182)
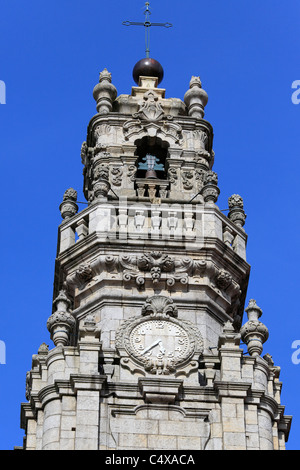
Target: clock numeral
point(179, 350)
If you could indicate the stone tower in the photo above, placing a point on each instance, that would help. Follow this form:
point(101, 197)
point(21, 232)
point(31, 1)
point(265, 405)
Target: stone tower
point(149, 292)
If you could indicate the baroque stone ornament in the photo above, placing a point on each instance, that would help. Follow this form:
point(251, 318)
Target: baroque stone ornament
point(254, 333)
point(210, 190)
point(89, 330)
point(61, 323)
point(236, 210)
point(68, 207)
point(196, 99)
point(159, 305)
point(158, 342)
point(101, 184)
point(150, 109)
point(155, 262)
point(104, 93)
point(80, 277)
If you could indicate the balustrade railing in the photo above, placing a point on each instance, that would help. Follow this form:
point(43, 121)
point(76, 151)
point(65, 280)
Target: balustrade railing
point(125, 220)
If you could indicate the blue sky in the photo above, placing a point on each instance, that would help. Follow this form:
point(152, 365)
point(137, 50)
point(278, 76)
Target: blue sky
point(247, 55)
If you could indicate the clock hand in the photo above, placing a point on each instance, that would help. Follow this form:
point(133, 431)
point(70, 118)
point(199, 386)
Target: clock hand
point(151, 346)
point(161, 348)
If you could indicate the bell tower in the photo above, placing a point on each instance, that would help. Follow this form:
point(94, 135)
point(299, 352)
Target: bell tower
point(149, 293)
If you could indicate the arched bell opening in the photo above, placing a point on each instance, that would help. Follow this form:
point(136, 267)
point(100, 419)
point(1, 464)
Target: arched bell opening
point(151, 175)
point(151, 158)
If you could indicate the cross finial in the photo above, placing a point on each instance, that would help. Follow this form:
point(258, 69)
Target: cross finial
point(147, 23)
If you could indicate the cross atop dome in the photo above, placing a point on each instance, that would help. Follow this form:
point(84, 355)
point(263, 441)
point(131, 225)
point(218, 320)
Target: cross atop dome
point(147, 24)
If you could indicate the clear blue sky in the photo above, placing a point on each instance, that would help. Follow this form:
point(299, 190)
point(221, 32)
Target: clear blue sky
point(247, 55)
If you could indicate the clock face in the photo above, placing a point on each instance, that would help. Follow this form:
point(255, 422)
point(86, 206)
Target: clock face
point(159, 339)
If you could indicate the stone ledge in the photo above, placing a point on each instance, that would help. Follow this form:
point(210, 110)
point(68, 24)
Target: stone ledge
point(160, 390)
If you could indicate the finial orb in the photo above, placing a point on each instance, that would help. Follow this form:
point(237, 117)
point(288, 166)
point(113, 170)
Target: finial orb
point(147, 67)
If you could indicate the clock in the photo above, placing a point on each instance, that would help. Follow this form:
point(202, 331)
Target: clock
point(159, 339)
point(157, 342)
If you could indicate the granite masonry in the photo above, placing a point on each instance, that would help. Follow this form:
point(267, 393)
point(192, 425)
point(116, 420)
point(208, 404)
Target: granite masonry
point(150, 285)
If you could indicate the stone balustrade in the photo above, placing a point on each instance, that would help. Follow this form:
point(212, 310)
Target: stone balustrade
point(152, 188)
point(125, 220)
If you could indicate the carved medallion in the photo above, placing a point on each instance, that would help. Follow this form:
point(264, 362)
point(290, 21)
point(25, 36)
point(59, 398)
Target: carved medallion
point(158, 342)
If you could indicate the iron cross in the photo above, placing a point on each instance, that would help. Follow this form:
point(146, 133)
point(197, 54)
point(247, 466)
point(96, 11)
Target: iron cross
point(147, 23)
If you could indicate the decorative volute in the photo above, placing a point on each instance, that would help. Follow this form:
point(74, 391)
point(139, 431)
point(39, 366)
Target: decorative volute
point(196, 99)
point(104, 93)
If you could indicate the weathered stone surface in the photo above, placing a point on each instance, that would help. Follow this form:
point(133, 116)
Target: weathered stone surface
point(150, 285)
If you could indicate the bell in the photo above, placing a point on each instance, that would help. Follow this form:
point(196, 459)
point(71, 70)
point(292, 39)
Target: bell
point(151, 160)
point(151, 174)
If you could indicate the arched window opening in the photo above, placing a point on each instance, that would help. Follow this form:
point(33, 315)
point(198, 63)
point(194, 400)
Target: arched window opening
point(151, 175)
point(151, 162)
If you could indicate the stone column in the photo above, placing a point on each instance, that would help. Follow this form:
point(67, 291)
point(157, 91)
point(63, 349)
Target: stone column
point(52, 421)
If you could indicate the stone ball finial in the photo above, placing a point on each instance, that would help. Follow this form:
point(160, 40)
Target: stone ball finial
point(147, 67)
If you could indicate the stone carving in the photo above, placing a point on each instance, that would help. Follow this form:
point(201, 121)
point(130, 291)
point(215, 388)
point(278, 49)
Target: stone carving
point(196, 99)
point(80, 277)
point(236, 210)
point(235, 201)
point(129, 272)
point(131, 172)
point(68, 208)
point(150, 109)
point(88, 330)
point(101, 184)
point(254, 333)
point(116, 175)
point(172, 175)
point(160, 343)
point(84, 153)
point(61, 323)
point(224, 279)
point(187, 179)
point(104, 93)
point(159, 305)
point(203, 137)
point(210, 190)
point(101, 171)
point(167, 130)
point(155, 262)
